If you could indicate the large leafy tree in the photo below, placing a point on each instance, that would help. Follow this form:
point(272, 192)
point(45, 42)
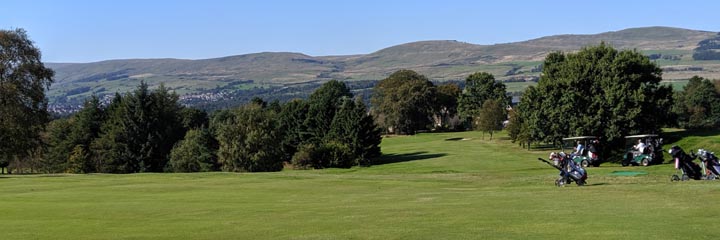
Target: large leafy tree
point(698, 105)
point(404, 101)
point(248, 140)
point(446, 103)
point(480, 87)
point(23, 106)
point(598, 91)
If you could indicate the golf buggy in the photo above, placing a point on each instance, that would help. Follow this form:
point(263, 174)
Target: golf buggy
point(643, 150)
point(588, 155)
point(569, 170)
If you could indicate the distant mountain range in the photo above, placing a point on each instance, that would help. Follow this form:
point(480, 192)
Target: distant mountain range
point(444, 60)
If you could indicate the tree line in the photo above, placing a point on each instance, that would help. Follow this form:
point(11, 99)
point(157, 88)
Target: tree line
point(149, 131)
point(407, 102)
point(598, 91)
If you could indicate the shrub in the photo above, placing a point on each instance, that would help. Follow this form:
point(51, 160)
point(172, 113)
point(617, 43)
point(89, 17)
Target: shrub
point(327, 155)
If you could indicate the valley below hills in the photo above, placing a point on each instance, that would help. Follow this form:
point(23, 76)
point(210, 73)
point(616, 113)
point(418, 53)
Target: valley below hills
point(233, 80)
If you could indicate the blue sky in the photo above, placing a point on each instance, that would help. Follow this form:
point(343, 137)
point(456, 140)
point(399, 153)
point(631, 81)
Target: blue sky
point(86, 31)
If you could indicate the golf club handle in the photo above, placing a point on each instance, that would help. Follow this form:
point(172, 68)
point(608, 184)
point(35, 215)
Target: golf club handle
point(549, 163)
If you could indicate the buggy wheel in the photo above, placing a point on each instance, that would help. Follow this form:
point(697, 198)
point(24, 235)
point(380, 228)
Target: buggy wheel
point(584, 163)
point(674, 178)
point(685, 177)
point(625, 163)
point(645, 162)
point(559, 182)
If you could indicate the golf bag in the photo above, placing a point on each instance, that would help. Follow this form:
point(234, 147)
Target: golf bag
point(710, 162)
point(569, 170)
point(683, 162)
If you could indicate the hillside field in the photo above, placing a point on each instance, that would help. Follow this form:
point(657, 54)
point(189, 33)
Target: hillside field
point(428, 186)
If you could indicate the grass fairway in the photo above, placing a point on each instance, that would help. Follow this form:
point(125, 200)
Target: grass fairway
point(431, 186)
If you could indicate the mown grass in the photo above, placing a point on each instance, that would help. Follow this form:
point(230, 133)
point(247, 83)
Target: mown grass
point(428, 186)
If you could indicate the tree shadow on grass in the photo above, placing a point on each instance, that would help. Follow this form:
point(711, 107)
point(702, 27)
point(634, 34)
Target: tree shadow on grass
point(672, 137)
point(454, 139)
point(406, 157)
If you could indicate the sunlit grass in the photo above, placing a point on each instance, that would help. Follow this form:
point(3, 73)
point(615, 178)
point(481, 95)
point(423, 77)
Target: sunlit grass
point(428, 186)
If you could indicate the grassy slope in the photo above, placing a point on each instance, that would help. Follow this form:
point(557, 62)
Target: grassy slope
point(432, 186)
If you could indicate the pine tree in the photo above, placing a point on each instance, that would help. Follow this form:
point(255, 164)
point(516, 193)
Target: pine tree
point(292, 118)
point(323, 103)
point(59, 146)
point(85, 128)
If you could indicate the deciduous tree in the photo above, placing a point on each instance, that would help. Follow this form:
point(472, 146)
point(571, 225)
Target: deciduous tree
point(698, 105)
point(195, 153)
point(491, 116)
point(480, 87)
point(598, 91)
point(249, 140)
point(23, 106)
point(446, 103)
point(404, 101)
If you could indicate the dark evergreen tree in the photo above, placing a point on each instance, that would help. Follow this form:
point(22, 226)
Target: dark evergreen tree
point(323, 104)
point(165, 130)
point(59, 147)
point(109, 150)
point(86, 128)
point(369, 135)
point(140, 131)
point(292, 118)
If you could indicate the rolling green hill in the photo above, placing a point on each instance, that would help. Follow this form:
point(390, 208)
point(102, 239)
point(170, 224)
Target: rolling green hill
point(439, 60)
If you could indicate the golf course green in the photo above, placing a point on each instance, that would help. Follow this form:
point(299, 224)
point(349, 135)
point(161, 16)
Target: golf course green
point(427, 186)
